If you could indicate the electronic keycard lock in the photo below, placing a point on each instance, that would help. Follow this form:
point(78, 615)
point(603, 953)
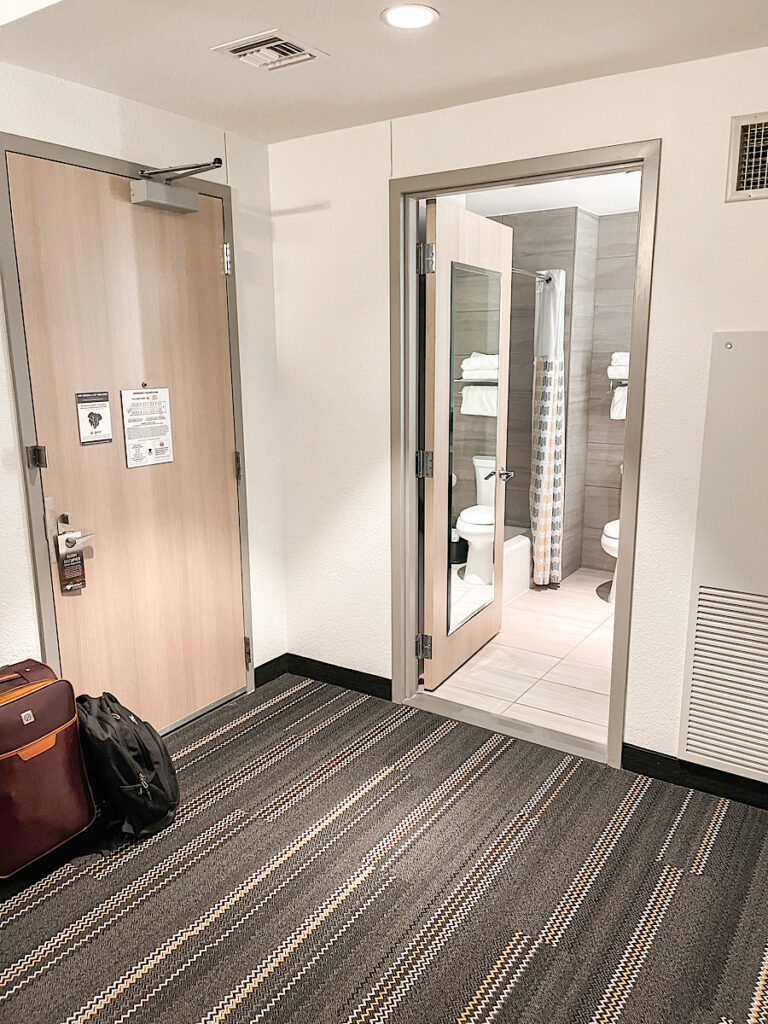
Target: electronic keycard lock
point(69, 549)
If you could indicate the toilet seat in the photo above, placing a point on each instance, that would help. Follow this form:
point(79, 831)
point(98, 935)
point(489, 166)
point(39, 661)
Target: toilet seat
point(609, 541)
point(478, 515)
point(612, 529)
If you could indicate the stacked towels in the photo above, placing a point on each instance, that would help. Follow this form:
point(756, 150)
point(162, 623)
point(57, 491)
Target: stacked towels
point(477, 401)
point(480, 366)
point(480, 401)
point(619, 370)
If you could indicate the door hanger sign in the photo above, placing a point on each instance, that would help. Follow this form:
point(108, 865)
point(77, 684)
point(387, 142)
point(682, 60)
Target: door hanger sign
point(147, 426)
point(93, 417)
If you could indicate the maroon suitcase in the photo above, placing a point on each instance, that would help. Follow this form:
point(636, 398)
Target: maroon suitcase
point(45, 797)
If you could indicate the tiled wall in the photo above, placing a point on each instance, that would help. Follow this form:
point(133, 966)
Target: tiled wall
point(616, 257)
point(578, 384)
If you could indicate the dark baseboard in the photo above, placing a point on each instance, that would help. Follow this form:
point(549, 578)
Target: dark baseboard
point(298, 665)
point(694, 776)
point(270, 670)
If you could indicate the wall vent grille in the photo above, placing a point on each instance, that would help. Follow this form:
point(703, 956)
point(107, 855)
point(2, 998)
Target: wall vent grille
point(268, 50)
point(728, 705)
point(748, 164)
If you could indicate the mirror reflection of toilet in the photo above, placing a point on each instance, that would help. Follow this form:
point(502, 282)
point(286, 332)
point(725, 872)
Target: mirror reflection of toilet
point(609, 542)
point(476, 523)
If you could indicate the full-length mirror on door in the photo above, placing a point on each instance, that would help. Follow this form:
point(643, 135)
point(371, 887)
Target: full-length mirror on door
point(466, 365)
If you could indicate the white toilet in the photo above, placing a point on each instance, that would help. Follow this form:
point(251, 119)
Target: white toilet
point(475, 524)
point(609, 542)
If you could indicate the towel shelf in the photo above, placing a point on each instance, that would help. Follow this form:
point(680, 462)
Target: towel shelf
point(471, 383)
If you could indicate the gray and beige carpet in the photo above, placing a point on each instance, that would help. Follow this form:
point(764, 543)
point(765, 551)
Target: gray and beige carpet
point(341, 859)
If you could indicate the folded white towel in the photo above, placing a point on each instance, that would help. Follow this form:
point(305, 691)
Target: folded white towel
point(491, 374)
point(478, 401)
point(619, 403)
point(619, 358)
point(618, 372)
point(481, 361)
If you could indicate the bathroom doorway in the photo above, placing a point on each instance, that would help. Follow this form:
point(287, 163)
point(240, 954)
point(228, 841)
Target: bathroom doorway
point(525, 303)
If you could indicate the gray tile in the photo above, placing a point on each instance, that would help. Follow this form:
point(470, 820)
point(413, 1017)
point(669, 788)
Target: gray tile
point(615, 282)
point(587, 232)
point(603, 462)
point(474, 331)
point(618, 235)
point(601, 506)
point(582, 331)
point(592, 554)
point(542, 230)
point(612, 330)
point(517, 511)
point(475, 292)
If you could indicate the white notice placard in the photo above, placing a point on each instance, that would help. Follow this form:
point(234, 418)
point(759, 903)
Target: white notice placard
point(93, 417)
point(147, 426)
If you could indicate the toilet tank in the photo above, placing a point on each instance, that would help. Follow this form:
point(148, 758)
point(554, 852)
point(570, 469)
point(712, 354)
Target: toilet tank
point(484, 489)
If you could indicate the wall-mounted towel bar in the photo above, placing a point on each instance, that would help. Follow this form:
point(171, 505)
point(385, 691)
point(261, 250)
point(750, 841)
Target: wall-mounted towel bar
point(546, 278)
point(617, 382)
point(468, 380)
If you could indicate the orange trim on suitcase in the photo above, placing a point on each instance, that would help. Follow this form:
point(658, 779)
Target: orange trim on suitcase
point(26, 753)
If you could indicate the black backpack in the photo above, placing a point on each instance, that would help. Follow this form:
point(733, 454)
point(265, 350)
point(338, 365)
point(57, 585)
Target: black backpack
point(128, 766)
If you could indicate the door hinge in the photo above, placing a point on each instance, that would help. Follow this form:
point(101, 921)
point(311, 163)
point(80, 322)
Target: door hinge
point(227, 258)
point(425, 258)
point(37, 456)
point(247, 647)
point(424, 464)
point(238, 467)
point(423, 646)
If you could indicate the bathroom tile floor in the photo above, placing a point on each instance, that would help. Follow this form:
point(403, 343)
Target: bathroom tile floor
point(550, 666)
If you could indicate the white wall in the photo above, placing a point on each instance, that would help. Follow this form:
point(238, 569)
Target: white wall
point(41, 107)
point(330, 202)
point(330, 215)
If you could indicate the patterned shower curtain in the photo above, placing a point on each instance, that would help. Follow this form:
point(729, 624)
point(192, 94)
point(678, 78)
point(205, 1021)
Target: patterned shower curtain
point(548, 434)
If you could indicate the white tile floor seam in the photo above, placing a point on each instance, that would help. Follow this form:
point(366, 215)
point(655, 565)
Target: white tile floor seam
point(549, 666)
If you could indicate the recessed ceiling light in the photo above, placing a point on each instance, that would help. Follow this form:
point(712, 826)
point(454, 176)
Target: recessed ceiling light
point(409, 16)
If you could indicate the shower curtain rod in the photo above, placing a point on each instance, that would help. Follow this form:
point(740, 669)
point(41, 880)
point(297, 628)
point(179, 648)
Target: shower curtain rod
point(530, 273)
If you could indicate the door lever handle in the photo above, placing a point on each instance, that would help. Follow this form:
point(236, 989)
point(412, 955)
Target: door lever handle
point(506, 474)
point(76, 543)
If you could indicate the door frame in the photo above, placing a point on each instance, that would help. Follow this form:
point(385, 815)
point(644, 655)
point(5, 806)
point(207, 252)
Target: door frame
point(404, 195)
point(22, 384)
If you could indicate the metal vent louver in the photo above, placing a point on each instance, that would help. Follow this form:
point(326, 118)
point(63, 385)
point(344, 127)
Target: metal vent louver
point(748, 167)
point(728, 706)
point(268, 50)
point(753, 158)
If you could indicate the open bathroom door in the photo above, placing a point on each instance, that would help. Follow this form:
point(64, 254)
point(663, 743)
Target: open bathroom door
point(467, 320)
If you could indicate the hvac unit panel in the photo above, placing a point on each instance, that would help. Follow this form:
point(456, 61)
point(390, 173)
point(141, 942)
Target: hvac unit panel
point(725, 699)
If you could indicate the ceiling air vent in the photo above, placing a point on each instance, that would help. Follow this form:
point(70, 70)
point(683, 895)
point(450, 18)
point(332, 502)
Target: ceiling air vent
point(268, 50)
point(748, 162)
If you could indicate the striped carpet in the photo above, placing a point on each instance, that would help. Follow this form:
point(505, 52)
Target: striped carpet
point(341, 859)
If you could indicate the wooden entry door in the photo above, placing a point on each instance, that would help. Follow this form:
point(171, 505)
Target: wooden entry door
point(467, 310)
point(117, 296)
